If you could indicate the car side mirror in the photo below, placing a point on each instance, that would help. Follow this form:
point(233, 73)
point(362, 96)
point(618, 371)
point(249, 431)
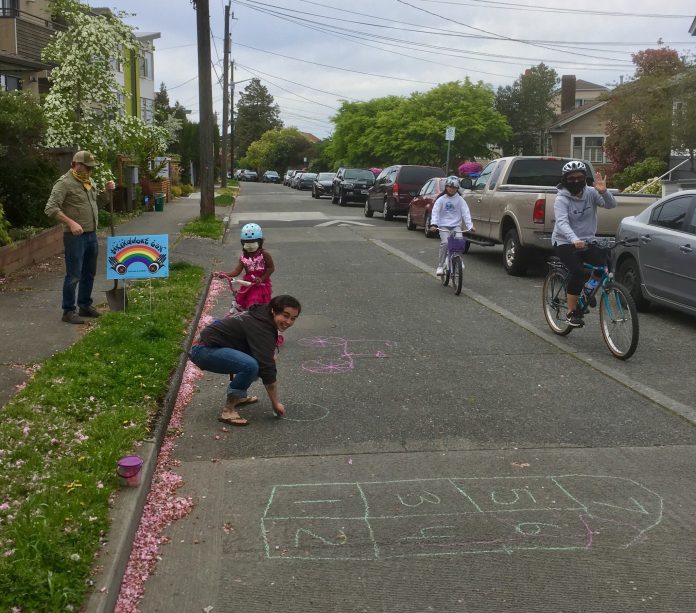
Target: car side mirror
point(466, 183)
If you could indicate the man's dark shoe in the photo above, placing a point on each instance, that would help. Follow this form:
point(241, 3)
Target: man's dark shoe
point(72, 318)
point(574, 320)
point(89, 311)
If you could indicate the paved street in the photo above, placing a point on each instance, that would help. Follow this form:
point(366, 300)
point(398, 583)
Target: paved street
point(440, 452)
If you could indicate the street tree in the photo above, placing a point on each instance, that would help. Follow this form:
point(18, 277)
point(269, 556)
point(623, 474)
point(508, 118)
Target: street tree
point(639, 113)
point(256, 114)
point(412, 130)
point(528, 106)
point(279, 149)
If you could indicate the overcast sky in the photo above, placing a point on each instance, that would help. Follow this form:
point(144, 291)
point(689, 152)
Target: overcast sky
point(313, 54)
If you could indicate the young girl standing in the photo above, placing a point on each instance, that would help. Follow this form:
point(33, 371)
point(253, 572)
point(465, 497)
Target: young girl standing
point(257, 265)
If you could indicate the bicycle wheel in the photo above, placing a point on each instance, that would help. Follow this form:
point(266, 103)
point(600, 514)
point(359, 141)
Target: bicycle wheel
point(457, 274)
point(618, 318)
point(446, 273)
point(555, 302)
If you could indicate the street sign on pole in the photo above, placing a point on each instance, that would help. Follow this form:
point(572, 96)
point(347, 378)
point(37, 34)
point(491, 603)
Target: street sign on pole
point(449, 137)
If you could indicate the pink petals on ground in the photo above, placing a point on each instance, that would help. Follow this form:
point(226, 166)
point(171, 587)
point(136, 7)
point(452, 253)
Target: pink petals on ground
point(163, 506)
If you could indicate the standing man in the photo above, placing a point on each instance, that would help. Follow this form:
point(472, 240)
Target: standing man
point(73, 202)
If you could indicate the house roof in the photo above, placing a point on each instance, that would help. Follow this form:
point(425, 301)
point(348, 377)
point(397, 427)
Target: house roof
point(580, 84)
point(692, 28)
point(310, 137)
point(576, 113)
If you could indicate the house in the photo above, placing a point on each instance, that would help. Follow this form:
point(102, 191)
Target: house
point(579, 130)
point(23, 35)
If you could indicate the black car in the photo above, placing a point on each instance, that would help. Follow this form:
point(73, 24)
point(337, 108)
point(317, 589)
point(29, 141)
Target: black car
point(395, 187)
point(351, 184)
point(306, 181)
point(322, 184)
point(270, 176)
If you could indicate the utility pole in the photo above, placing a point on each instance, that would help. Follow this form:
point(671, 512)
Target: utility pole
point(205, 105)
point(225, 98)
point(232, 117)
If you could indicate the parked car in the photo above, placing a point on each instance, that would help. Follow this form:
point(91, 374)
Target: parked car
point(662, 268)
point(288, 177)
point(270, 176)
point(295, 179)
point(394, 188)
point(322, 184)
point(420, 208)
point(306, 181)
point(351, 185)
point(248, 175)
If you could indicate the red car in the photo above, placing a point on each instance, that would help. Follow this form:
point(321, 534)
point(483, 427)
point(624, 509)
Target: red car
point(420, 207)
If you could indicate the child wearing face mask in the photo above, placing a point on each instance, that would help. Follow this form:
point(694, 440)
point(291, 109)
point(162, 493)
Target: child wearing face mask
point(257, 265)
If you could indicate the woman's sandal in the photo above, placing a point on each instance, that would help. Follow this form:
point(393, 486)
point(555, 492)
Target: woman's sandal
point(248, 400)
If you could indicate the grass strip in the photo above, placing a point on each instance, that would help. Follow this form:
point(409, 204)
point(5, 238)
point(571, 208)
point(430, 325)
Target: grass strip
point(210, 227)
point(61, 436)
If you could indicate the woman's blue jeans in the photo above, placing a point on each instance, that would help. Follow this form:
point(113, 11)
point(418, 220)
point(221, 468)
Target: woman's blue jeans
point(80, 267)
point(226, 361)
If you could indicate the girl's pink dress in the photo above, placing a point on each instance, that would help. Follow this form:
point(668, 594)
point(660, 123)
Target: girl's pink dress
point(254, 266)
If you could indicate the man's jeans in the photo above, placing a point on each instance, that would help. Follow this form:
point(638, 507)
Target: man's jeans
point(80, 267)
point(226, 361)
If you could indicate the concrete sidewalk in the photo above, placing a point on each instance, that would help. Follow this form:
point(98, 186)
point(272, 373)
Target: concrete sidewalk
point(31, 330)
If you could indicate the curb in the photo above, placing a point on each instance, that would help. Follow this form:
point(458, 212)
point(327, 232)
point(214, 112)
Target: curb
point(127, 510)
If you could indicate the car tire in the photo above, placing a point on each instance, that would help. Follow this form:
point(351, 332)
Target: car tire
point(409, 223)
point(628, 275)
point(334, 198)
point(514, 255)
point(428, 233)
point(342, 198)
point(386, 211)
point(367, 210)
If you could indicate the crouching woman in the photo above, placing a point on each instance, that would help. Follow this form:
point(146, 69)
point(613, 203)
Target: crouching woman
point(244, 346)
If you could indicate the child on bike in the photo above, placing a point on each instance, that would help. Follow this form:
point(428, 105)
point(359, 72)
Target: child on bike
point(575, 210)
point(450, 212)
point(257, 265)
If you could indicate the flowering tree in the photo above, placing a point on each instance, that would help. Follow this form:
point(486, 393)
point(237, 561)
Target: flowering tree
point(82, 107)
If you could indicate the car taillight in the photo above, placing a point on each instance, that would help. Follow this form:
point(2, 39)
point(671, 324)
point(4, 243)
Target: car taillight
point(395, 189)
point(539, 214)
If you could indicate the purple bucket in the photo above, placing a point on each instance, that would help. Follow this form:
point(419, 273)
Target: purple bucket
point(128, 469)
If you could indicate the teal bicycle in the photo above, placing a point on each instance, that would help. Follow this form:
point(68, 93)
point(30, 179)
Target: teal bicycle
point(618, 316)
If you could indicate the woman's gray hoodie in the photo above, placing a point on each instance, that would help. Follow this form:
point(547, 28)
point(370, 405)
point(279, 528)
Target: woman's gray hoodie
point(576, 216)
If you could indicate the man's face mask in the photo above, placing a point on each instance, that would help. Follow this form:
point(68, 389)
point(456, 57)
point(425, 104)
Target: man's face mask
point(574, 186)
point(250, 247)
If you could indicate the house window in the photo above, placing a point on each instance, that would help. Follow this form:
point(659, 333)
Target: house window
point(589, 148)
point(117, 62)
point(9, 83)
point(146, 70)
point(121, 104)
point(9, 8)
point(147, 110)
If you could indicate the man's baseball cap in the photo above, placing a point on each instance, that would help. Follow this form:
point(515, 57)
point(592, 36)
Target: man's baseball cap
point(85, 157)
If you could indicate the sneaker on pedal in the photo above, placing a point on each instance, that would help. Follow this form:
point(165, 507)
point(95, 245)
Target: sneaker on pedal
point(439, 272)
point(574, 320)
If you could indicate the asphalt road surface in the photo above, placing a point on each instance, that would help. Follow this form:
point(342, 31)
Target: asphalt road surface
point(440, 452)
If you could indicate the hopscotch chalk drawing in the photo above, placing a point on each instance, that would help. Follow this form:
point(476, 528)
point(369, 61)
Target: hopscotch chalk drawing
point(456, 516)
point(344, 353)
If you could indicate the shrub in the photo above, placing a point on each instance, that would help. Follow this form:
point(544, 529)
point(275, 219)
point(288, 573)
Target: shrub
point(186, 189)
point(655, 188)
point(641, 171)
point(176, 191)
point(5, 238)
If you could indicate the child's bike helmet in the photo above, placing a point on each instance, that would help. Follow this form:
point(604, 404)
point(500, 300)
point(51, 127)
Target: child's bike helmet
point(251, 231)
point(452, 181)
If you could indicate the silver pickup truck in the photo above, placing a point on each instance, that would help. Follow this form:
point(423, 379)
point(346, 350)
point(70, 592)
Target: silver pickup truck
point(511, 203)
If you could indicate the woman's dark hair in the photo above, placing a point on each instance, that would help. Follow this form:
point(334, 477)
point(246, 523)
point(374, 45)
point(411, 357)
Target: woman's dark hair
point(278, 303)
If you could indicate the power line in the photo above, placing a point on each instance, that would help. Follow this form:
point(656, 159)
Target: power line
point(495, 4)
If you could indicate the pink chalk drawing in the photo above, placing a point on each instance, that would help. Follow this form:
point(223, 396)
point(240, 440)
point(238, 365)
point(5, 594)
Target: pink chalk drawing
point(347, 351)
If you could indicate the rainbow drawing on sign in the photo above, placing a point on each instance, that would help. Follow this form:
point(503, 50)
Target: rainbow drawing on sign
point(149, 257)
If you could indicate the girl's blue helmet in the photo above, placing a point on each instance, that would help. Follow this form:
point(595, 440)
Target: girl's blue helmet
point(251, 231)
